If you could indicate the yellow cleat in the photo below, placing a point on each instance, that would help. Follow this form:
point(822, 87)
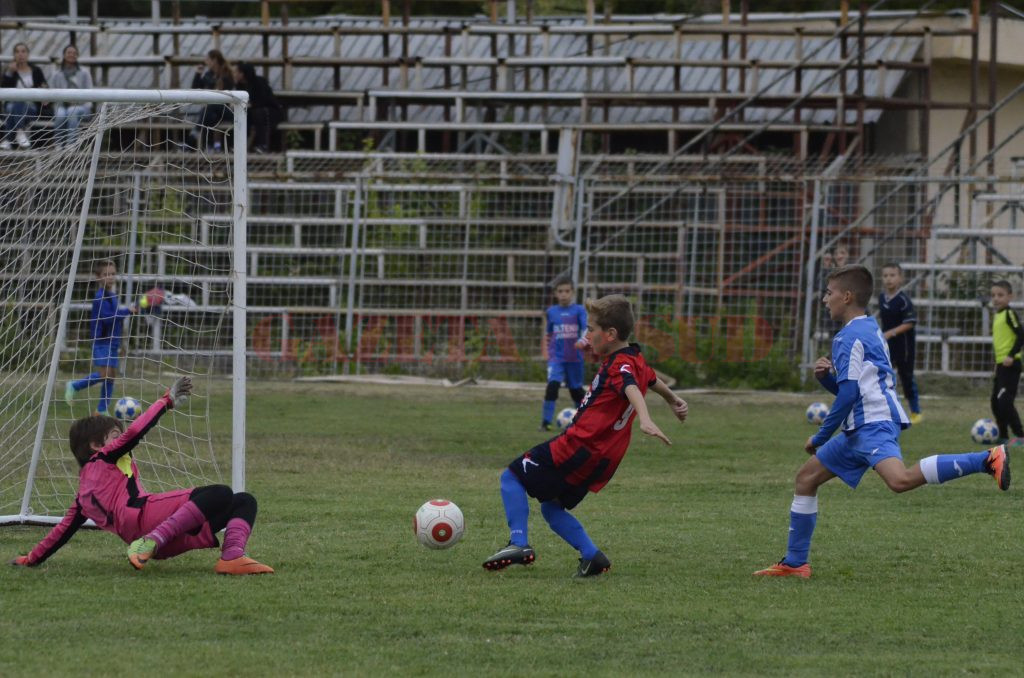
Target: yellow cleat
point(916, 417)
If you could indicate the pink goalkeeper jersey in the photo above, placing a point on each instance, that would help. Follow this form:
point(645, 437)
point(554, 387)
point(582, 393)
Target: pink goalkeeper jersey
point(110, 491)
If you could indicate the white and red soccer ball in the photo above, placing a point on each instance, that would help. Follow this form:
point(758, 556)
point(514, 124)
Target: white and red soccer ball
point(439, 524)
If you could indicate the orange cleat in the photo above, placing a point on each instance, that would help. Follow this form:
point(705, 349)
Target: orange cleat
point(243, 565)
point(998, 464)
point(780, 569)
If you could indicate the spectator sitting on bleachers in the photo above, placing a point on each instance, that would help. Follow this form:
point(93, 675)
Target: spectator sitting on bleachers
point(215, 73)
point(18, 114)
point(265, 112)
point(68, 115)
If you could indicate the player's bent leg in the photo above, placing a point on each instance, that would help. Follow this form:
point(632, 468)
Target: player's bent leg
point(898, 477)
point(810, 477)
point(803, 517)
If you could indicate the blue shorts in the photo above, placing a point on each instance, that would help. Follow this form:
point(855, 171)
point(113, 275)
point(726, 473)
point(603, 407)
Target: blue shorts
point(570, 374)
point(105, 354)
point(850, 453)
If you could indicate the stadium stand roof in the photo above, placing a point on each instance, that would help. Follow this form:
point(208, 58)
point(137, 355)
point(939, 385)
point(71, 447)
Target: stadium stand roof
point(110, 41)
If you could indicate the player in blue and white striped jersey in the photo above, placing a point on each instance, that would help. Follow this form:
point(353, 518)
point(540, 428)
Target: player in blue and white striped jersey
point(869, 413)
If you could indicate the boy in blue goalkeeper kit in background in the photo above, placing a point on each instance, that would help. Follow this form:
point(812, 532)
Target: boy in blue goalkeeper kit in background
point(106, 322)
point(565, 323)
point(866, 406)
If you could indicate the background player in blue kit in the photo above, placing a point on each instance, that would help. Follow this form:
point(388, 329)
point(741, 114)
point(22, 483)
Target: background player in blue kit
point(565, 323)
point(106, 322)
point(898, 319)
point(861, 377)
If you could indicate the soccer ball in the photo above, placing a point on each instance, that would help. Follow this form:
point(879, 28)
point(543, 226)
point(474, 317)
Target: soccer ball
point(127, 408)
point(816, 413)
point(439, 524)
point(151, 300)
point(565, 418)
point(984, 431)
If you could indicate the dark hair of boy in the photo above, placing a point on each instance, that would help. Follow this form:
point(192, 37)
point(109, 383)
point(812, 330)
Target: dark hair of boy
point(612, 311)
point(893, 264)
point(101, 265)
point(562, 280)
point(88, 431)
point(856, 279)
point(1004, 285)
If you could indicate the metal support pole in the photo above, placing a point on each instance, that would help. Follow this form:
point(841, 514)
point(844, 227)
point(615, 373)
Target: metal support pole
point(239, 302)
point(812, 273)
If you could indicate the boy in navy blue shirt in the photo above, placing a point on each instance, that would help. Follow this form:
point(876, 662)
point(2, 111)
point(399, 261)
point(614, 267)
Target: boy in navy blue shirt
point(565, 323)
point(861, 376)
point(897, 316)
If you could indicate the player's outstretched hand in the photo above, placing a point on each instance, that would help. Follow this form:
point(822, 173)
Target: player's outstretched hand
point(809, 447)
point(680, 409)
point(651, 429)
point(179, 391)
point(21, 561)
point(822, 367)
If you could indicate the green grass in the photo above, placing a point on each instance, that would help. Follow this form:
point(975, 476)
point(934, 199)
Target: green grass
point(920, 584)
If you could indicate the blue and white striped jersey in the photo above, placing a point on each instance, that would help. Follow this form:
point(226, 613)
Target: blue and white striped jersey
point(860, 354)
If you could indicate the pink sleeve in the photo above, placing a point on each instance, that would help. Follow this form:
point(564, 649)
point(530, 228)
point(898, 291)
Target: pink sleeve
point(58, 536)
point(127, 441)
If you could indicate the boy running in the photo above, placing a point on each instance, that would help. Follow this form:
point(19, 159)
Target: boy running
point(866, 406)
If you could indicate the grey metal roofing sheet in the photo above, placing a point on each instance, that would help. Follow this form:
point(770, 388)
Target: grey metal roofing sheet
point(562, 78)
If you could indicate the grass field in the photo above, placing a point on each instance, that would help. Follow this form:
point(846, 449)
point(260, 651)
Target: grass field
point(927, 583)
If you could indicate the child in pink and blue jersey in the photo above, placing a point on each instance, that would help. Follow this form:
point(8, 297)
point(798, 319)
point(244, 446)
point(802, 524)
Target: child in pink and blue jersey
point(111, 494)
point(106, 322)
point(564, 323)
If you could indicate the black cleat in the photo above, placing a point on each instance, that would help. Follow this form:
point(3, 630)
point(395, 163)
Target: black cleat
point(510, 555)
point(599, 564)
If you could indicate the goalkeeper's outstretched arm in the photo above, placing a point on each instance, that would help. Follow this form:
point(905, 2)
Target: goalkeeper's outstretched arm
point(58, 536)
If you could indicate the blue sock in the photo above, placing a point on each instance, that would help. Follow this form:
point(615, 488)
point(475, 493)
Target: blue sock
point(548, 413)
point(942, 467)
point(517, 508)
point(803, 515)
point(93, 378)
point(106, 391)
point(568, 528)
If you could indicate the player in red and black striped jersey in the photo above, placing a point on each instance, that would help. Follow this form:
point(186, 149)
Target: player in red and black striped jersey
point(560, 472)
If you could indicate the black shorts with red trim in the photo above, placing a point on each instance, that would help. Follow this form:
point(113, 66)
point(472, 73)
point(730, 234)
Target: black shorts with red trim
point(543, 480)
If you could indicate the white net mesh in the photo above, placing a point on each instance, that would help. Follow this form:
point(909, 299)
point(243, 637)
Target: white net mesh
point(150, 205)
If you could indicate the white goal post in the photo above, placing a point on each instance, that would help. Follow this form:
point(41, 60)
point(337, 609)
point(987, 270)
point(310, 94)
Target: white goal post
point(154, 183)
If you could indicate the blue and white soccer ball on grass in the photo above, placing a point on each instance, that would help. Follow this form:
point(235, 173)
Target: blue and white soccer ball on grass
point(565, 418)
point(984, 432)
point(816, 413)
point(127, 409)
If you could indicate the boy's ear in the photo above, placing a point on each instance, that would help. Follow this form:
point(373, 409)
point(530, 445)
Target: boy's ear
point(95, 447)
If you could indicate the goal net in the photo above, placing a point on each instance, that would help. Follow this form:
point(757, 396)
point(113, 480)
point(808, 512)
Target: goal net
point(120, 270)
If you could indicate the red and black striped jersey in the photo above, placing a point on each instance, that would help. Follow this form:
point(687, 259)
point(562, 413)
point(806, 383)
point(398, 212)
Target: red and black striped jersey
point(589, 451)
